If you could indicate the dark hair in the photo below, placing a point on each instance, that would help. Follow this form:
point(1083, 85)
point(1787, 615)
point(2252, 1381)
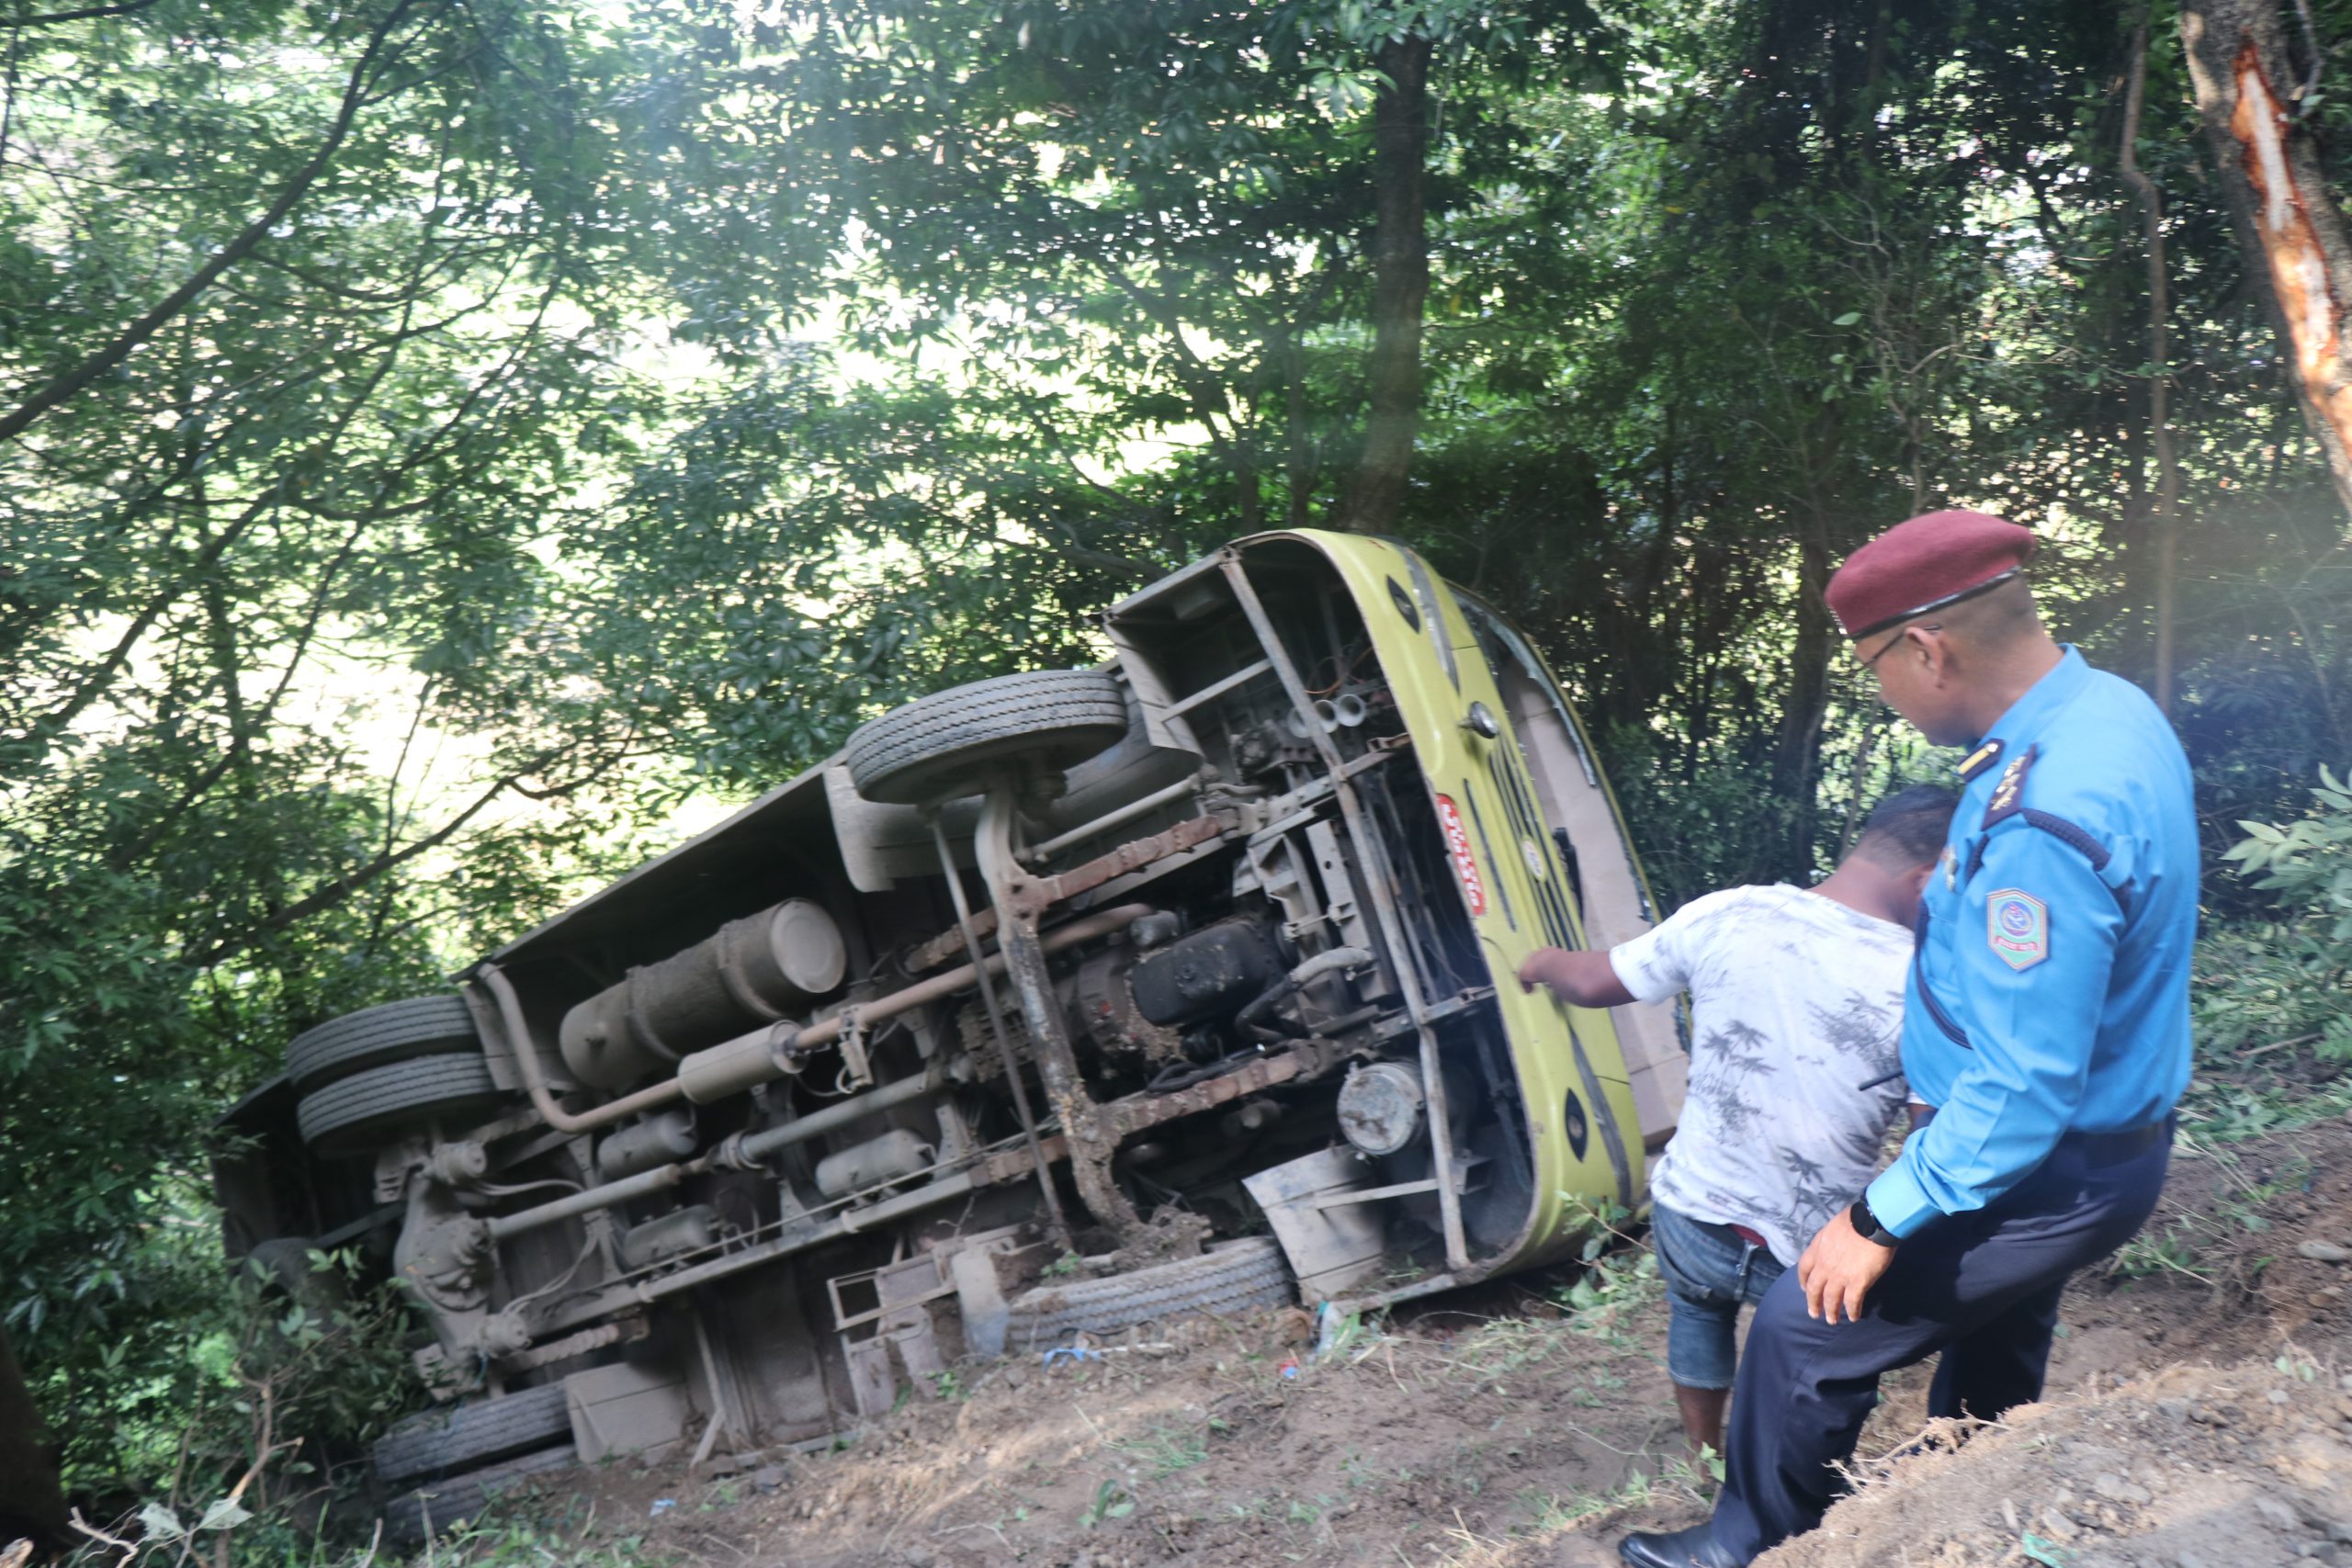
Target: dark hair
point(1908, 826)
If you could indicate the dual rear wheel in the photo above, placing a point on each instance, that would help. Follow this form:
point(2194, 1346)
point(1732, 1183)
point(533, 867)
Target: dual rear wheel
point(369, 1076)
point(445, 1466)
point(364, 1079)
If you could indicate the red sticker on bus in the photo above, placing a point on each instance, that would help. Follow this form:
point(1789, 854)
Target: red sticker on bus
point(1465, 865)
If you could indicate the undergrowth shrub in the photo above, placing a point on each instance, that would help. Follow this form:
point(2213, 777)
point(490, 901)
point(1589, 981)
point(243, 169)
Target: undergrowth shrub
point(2277, 983)
point(258, 1456)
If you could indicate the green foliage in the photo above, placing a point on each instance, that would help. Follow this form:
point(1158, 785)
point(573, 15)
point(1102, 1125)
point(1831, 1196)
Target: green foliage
point(295, 386)
point(254, 1424)
point(2285, 983)
point(1616, 1280)
point(1703, 823)
point(2308, 863)
point(2270, 1005)
point(1111, 1501)
point(778, 573)
point(2210, 1246)
point(1163, 1451)
point(2265, 985)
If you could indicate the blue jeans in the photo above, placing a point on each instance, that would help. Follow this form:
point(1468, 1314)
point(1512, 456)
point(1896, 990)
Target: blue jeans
point(1710, 1270)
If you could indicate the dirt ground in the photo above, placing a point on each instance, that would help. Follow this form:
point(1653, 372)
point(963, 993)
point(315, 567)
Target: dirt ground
point(2201, 1418)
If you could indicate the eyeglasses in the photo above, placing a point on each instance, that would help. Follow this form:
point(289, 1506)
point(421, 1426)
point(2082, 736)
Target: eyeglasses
point(1870, 663)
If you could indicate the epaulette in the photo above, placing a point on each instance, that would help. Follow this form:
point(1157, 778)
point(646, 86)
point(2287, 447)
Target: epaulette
point(2008, 795)
point(2008, 800)
point(1983, 757)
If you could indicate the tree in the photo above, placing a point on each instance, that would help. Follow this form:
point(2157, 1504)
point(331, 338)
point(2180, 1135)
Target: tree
point(306, 315)
point(1400, 284)
point(32, 1506)
point(2252, 98)
point(1200, 184)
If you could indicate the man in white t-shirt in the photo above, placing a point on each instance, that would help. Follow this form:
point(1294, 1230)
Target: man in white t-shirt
point(1796, 1019)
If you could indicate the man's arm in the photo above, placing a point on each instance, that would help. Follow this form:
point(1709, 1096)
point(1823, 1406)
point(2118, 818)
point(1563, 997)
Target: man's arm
point(2031, 979)
point(1582, 979)
point(2028, 993)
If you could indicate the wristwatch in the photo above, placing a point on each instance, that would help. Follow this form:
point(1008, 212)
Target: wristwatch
point(1867, 1225)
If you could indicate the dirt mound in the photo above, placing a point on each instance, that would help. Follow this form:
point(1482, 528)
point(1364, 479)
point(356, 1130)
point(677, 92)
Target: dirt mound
point(2146, 1454)
point(2242, 1467)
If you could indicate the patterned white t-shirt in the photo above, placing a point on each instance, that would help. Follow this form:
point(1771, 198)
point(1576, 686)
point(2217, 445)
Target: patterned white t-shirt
point(1796, 1001)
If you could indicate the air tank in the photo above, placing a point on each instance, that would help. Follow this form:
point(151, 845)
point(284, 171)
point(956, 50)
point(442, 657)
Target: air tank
point(753, 971)
point(661, 1139)
point(877, 1161)
point(681, 1230)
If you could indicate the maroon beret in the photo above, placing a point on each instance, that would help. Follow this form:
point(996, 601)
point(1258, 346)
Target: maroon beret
point(1923, 565)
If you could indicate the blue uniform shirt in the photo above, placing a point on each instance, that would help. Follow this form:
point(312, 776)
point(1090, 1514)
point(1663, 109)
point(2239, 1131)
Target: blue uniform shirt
point(2049, 992)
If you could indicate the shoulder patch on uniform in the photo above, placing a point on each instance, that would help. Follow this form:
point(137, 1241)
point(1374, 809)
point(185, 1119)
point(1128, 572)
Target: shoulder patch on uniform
point(2017, 925)
point(2008, 794)
point(1976, 761)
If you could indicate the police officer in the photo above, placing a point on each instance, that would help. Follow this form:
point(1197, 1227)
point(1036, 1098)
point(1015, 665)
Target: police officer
point(2046, 1020)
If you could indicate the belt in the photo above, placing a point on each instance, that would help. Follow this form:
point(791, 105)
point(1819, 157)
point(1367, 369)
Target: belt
point(1751, 1238)
point(2100, 1148)
point(2113, 1148)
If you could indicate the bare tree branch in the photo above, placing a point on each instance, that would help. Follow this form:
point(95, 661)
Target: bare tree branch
point(97, 364)
point(331, 894)
point(51, 18)
point(1207, 397)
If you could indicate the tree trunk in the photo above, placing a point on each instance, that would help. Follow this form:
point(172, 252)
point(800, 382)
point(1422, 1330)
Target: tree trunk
point(1298, 460)
point(2166, 513)
point(1796, 750)
point(1401, 285)
point(31, 1504)
point(2290, 227)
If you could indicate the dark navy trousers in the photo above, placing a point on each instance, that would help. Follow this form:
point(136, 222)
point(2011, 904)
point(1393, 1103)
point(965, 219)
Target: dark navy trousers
point(1981, 1288)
